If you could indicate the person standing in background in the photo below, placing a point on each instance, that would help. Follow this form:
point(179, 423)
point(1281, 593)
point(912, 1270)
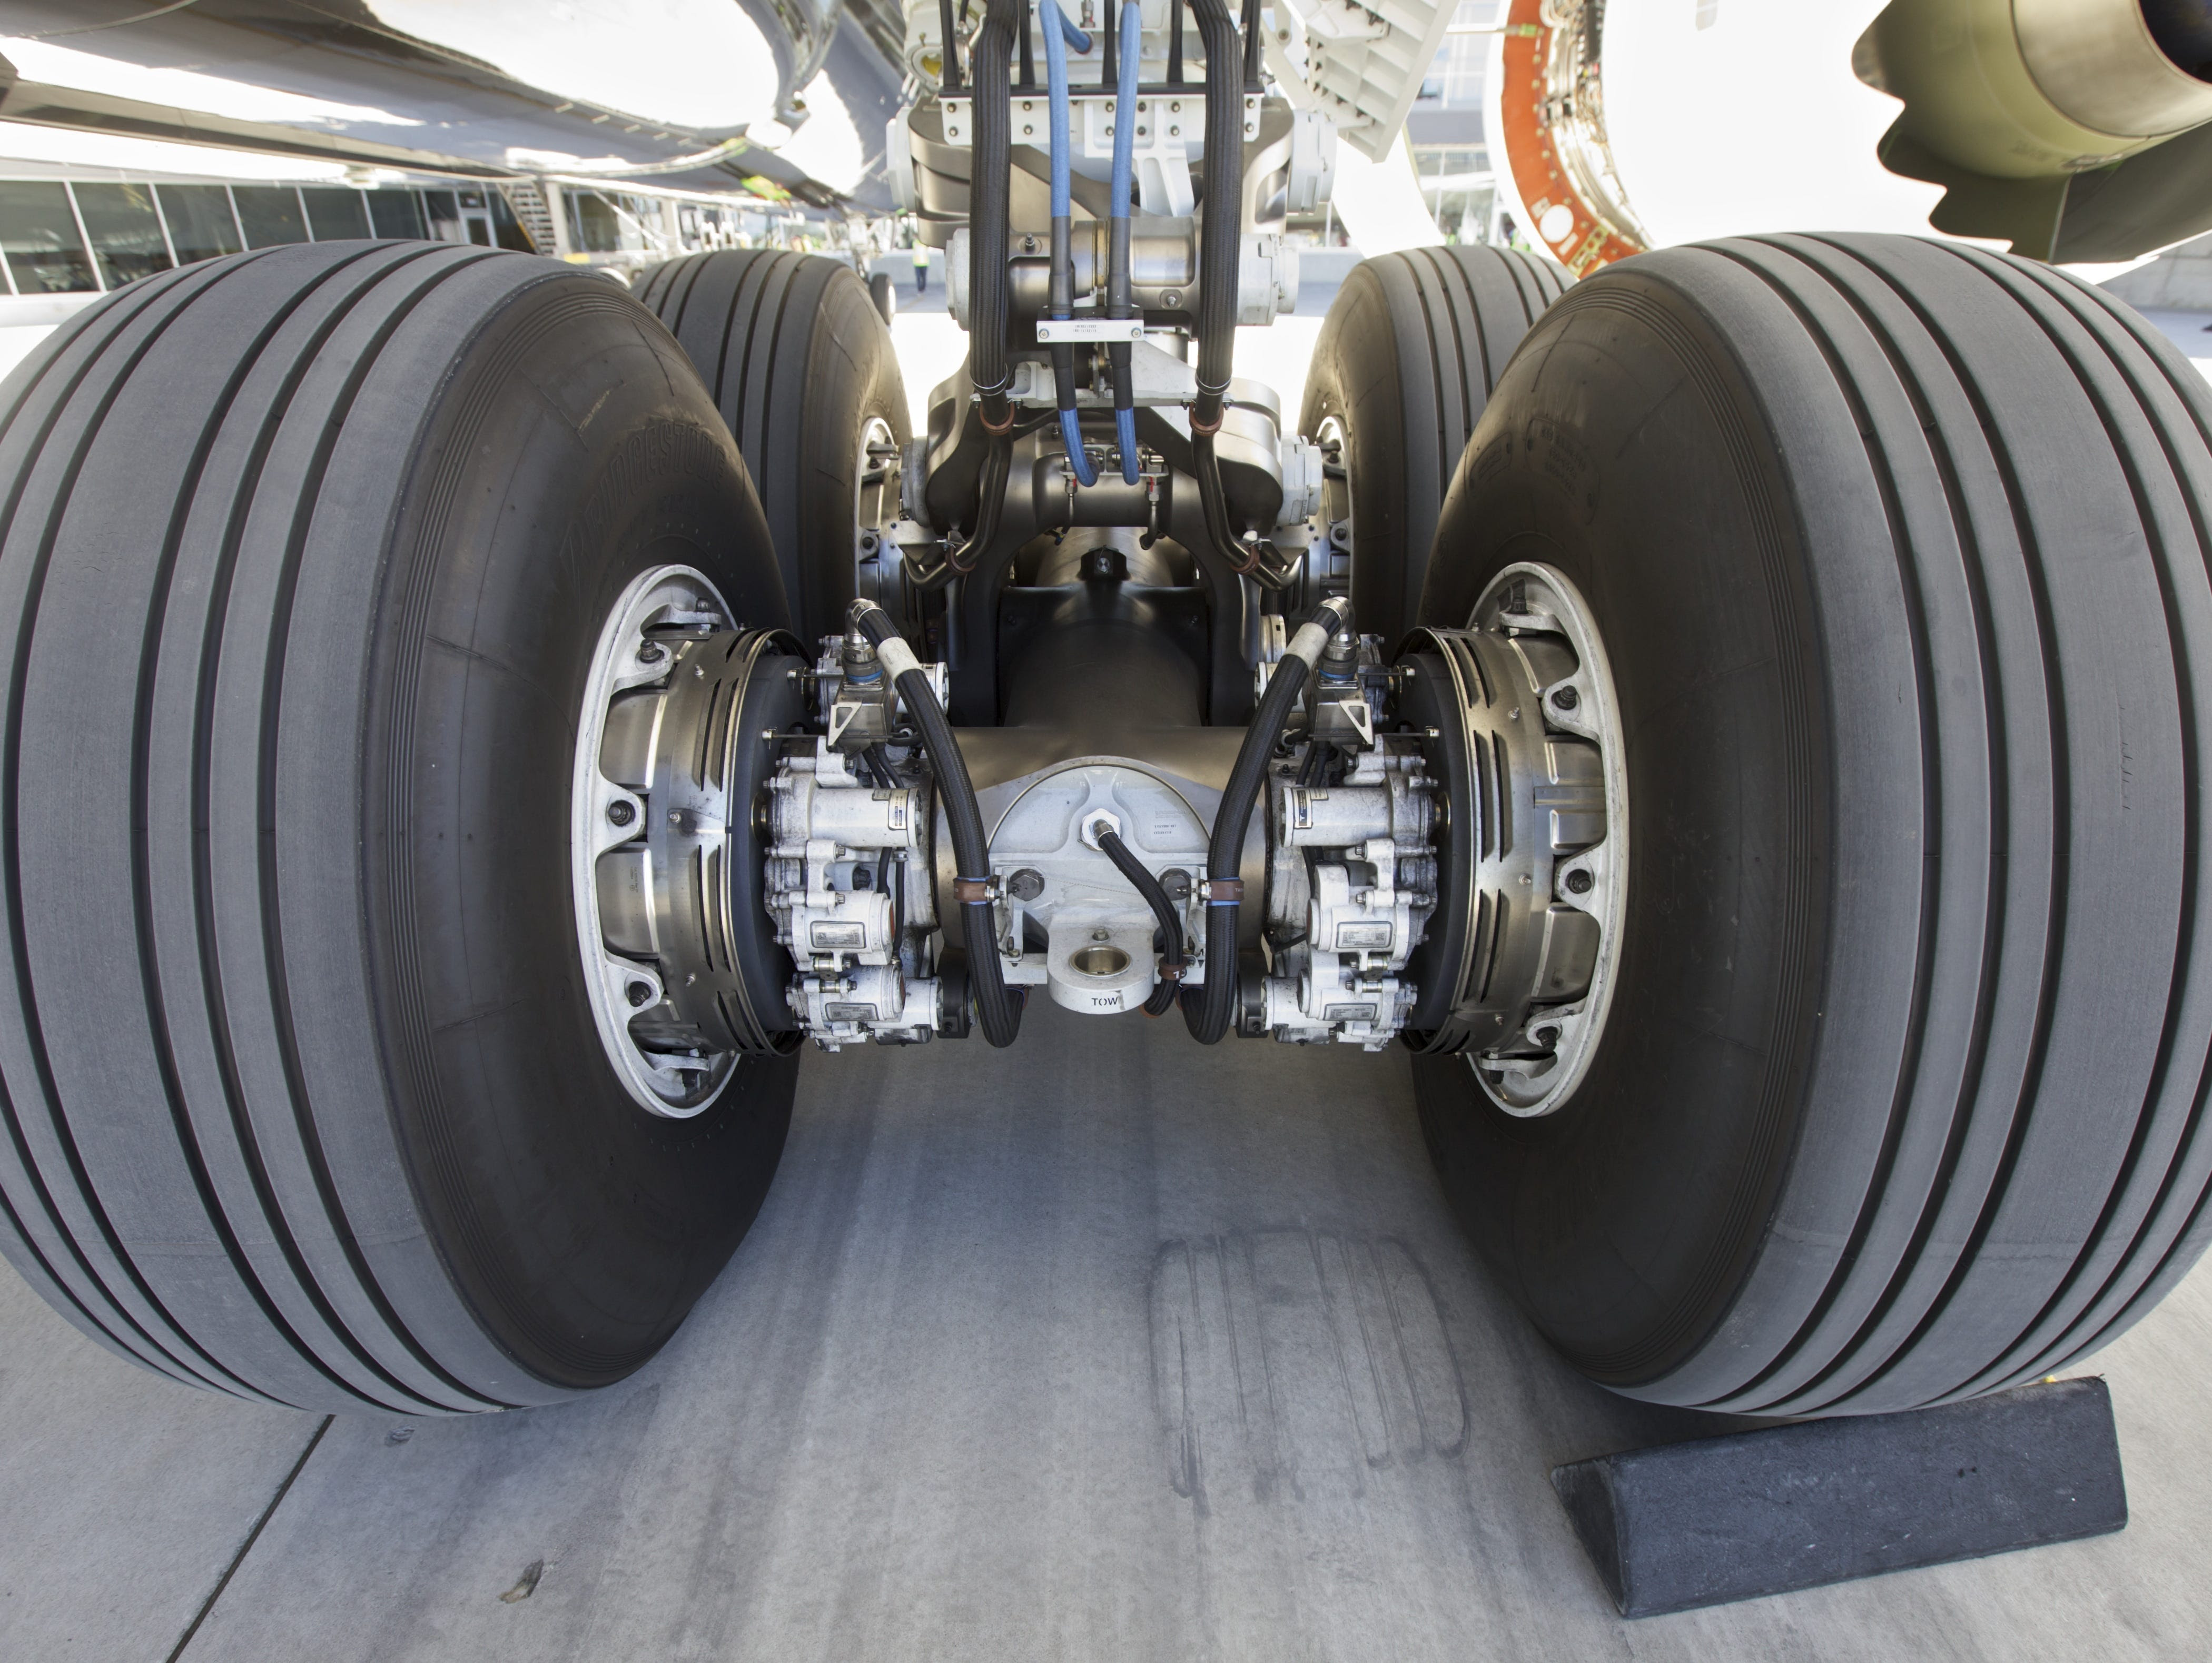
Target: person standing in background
point(921, 266)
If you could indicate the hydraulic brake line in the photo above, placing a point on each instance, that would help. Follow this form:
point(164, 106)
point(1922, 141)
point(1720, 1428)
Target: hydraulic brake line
point(1219, 250)
point(990, 185)
point(1164, 912)
point(1059, 33)
point(990, 499)
point(997, 1009)
point(1117, 273)
point(1207, 1008)
point(1219, 234)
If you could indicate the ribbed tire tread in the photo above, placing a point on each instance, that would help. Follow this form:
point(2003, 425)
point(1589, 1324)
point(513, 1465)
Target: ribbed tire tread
point(797, 356)
point(1409, 354)
point(2086, 1129)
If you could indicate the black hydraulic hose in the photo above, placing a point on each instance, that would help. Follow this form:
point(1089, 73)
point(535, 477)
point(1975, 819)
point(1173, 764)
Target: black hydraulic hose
point(989, 185)
point(948, 72)
point(1221, 234)
point(1163, 997)
point(1252, 45)
point(990, 498)
point(1208, 1014)
point(1164, 993)
point(1219, 249)
point(1175, 45)
point(1209, 1010)
point(1213, 506)
point(996, 1008)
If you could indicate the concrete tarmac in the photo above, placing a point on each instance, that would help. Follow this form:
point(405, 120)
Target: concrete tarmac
point(1108, 1346)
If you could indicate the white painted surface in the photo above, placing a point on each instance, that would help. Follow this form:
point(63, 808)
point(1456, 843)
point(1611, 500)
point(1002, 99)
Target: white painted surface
point(701, 63)
point(58, 153)
point(19, 339)
point(60, 65)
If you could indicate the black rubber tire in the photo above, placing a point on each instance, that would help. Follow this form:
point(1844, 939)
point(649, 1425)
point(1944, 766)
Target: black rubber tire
point(799, 360)
point(1899, 552)
point(1404, 363)
point(303, 558)
point(884, 293)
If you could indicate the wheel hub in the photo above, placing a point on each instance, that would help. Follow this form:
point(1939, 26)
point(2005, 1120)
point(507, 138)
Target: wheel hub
point(673, 744)
point(1518, 969)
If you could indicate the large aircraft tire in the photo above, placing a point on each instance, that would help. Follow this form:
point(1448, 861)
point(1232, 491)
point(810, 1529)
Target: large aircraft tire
point(800, 362)
point(304, 555)
point(1401, 372)
point(1899, 553)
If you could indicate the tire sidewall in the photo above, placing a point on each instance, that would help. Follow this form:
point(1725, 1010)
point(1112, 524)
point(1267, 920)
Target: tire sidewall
point(581, 1228)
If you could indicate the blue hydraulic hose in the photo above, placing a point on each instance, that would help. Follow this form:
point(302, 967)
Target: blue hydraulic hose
point(1125, 434)
point(1125, 167)
point(1059, 33)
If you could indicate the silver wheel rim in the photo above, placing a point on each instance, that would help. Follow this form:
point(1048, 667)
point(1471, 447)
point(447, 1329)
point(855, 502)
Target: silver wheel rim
point(659, 609)
point(1536, 1076)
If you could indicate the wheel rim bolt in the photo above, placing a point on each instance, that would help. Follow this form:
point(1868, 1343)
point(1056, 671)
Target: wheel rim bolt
point(620, 813)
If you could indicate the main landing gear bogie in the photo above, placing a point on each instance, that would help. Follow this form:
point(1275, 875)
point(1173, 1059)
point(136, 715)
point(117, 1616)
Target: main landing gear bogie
point(468, 729)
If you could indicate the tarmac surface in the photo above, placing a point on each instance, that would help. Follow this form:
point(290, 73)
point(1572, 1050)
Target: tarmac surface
point(1107, 1346)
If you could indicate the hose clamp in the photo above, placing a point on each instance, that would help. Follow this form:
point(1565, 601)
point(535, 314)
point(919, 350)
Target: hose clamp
point(1222, 891)
point(977, 891)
